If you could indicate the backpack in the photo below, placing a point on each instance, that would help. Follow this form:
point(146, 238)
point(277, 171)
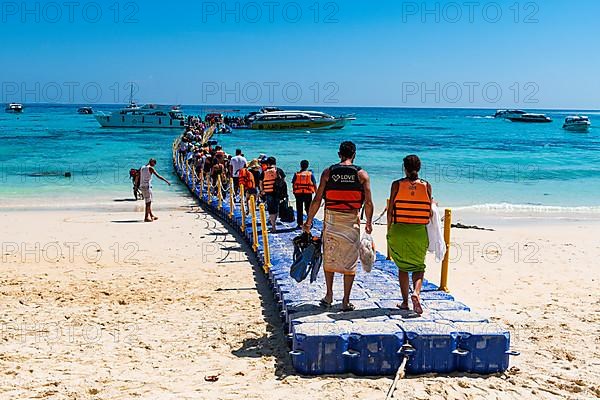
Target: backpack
point(280, 187)
point(286, 212)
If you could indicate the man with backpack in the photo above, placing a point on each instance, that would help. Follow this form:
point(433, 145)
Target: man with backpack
point(272, 188)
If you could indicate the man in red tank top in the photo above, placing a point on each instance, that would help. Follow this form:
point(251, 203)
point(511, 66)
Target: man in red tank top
point(345, 188)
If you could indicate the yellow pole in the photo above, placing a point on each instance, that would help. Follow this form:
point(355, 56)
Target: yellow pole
point(388, 228)
point(201, 183)
point(243, 208)
point(196, 179)
point(231, 198)
point(447, 227)
point(265, 235)
point(254, 228)
point(219, 192)
point(209, 190)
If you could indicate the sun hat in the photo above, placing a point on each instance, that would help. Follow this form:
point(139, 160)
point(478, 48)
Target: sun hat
point(253, 164)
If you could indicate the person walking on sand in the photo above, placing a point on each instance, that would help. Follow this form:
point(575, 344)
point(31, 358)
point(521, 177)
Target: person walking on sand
point(304, 186)
point(346, 188)
point(146, 173)
point(407, 217)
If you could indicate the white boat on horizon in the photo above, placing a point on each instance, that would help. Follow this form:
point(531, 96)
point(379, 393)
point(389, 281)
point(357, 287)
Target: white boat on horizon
point(531, 118)
point(85, 110)
point(14, 108)
point(272, 118)
point(147, 116)
point(577, 123)
point(506, 114)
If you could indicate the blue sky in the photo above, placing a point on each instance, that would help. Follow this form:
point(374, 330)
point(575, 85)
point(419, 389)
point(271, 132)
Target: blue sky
point(494, 54)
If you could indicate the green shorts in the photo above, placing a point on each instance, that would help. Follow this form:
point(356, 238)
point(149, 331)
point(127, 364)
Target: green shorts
point(408, 245)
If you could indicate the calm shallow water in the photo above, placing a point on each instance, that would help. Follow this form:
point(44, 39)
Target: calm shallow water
point(470, 159)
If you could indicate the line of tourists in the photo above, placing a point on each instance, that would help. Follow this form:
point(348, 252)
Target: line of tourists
point(345, 190)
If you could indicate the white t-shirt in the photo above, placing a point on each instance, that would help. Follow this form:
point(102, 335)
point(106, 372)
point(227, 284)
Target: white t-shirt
point(145, 176)
point(237, 163)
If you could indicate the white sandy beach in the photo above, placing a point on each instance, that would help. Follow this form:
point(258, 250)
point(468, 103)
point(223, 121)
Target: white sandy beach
point(106, 307)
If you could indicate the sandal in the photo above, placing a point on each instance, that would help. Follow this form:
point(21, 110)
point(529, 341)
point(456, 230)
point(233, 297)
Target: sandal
point(416, 304)
point(325, 304)
point(348, 307)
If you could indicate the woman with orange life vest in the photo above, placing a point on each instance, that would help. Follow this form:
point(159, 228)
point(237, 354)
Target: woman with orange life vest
point(408, 215)
point(269, 189)
point(247, 181)
point(304, 186)
point(345, 188)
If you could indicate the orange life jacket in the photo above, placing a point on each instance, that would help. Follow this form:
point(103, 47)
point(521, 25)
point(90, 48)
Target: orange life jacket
point(343, 191)
point(247, 179)
point(303, 183)
point(412, 204)
point(269, 180)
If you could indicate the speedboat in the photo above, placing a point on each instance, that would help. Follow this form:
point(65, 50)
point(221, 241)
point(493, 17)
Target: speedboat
point(85, 110)
point(147, 116)
point(14, 108)
point(577, 123)
point(272, 118)
point(509, 113)
point(531, 118)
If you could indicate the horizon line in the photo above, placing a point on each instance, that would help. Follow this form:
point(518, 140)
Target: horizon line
point(312, 106)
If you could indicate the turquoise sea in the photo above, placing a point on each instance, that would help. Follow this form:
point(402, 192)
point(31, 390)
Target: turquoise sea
point(471, 159)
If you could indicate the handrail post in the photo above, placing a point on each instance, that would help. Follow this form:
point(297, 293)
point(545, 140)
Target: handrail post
point(447, 227)
point(196, 179)
point(231, 198)
point(173, 152)
point(219, 192)
point(387, 207)
point(201, 184)
point(254, 228)
point(265, 235)
point(243, 209)
point(209, 195)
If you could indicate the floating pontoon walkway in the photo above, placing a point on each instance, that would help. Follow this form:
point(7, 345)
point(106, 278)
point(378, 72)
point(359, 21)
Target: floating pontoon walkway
point(376, 337)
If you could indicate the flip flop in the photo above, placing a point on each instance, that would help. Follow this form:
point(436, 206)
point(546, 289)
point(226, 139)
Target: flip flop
point(399, 305)
point(416, 304)
point(348, 307)
point(325, 304)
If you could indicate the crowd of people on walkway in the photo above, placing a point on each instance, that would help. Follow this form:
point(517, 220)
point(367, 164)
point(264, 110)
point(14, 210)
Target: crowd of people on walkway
point(345, 190)
point(224, 123)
